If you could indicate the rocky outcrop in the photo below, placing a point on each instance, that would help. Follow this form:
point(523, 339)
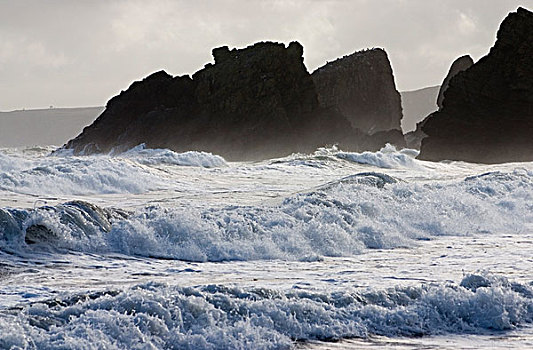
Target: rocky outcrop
point(252, 103)
point(460, 64)
point(487, 113)
point(361, 87)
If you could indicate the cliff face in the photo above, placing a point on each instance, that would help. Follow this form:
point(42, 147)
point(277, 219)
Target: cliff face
point(252, 103)
point(361, 86)
point(460, 64)
point(487, 113)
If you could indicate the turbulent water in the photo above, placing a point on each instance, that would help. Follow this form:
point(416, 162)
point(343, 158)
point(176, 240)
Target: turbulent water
point(152, 249)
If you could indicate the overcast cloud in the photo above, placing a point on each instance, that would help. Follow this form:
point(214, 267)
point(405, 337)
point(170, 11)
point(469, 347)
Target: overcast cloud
point(81, 53)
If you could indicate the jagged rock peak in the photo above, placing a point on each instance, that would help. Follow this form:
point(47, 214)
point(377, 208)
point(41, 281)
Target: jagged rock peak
point(365, 54)
point(361, 87)
point(460, 64)
point(223, 53)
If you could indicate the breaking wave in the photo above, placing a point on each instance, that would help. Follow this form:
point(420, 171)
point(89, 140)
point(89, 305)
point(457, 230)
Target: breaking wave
point(388, 158)
point(341, 218)
point(165, 156)
point(64, 174)
point(77, 176)
point(156, 316)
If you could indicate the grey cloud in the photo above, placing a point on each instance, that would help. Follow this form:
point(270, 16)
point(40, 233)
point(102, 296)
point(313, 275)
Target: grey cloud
point(79, 53)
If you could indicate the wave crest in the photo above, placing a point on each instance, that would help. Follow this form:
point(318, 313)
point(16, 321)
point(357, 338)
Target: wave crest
point(388, 157)
point(143, 155)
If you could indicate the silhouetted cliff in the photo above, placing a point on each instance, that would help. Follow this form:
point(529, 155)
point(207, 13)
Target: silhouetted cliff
point(487, 113)
point(361, 86)
point(252, 103)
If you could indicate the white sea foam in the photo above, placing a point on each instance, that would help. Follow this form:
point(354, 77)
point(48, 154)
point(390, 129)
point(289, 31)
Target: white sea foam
point(343, 219)
point(323, 157)
point(340, 219)
point(315, 213)
point(387, 157)
point(75, 175)
point(64, 174)
point(156, 316)
point(143, 155)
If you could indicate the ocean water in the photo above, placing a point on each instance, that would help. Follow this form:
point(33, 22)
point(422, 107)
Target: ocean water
point(153, 249)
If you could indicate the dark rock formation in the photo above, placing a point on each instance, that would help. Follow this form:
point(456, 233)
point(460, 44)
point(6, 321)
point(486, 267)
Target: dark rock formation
point(460, 64)
point(361, 87)
point(252, 103)
point(487, 113)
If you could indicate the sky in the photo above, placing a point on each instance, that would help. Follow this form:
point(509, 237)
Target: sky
point(73, 53)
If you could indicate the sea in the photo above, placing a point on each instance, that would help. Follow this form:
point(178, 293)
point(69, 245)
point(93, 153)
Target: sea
point(154, 249)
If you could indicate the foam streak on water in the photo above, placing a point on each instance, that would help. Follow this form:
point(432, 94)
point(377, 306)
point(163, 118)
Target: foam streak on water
point(157, 249)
